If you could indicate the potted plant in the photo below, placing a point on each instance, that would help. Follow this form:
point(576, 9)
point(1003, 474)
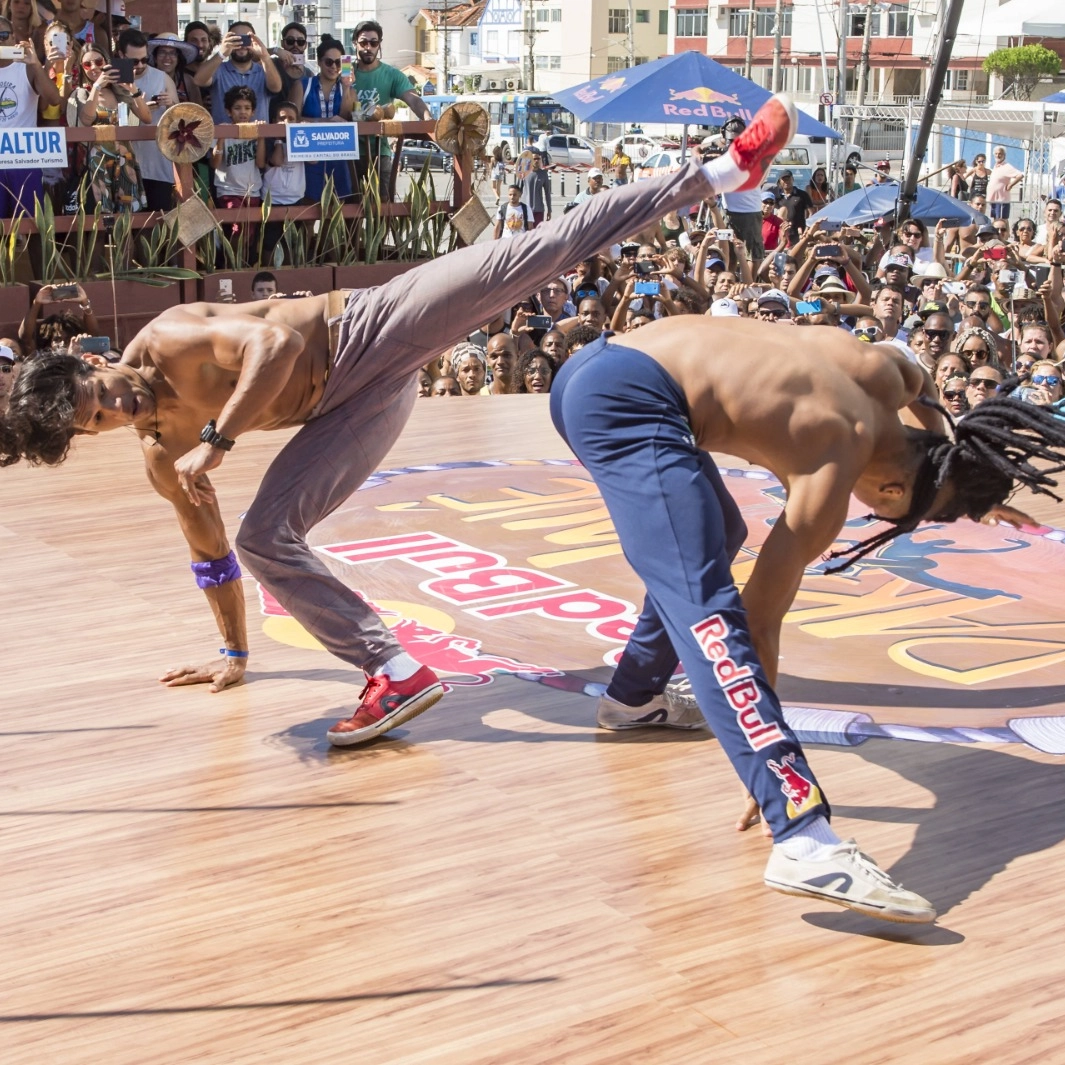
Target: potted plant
point(129, 281)
point(16, 296)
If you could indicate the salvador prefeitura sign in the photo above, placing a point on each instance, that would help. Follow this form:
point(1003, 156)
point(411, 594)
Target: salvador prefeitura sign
point(23, 148)
point(322, 142)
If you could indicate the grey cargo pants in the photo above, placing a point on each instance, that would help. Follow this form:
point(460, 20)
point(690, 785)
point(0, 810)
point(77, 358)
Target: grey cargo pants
point(386, 334)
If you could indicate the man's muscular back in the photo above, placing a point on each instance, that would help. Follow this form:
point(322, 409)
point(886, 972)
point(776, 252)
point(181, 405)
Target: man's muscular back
point(781, 396)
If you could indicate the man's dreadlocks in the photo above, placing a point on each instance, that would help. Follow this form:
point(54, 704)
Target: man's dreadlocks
point(995, 447)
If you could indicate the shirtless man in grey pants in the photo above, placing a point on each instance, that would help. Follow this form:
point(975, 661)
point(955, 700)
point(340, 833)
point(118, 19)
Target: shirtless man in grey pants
point(350, 380)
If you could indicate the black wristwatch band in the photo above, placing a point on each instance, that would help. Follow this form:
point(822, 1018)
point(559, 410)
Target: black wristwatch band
point(210, 435)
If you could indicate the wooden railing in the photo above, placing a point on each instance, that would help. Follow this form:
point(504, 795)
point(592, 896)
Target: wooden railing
point(462, 190)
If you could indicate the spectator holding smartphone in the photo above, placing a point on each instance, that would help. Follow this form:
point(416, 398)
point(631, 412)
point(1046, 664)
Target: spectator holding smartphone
point(24, 83)
point(240, 60)
point(172, 56)
point(290, 58)
point(158, 92)
point(114, 176)
point(26, 22)
point(66, 312)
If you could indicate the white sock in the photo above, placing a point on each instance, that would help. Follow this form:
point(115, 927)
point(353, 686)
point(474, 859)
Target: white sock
point(402, 667)
point(813, 837)
point(724, 173)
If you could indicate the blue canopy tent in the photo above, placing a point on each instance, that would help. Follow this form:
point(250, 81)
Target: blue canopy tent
point(1057, 98)
point(864, 206)
point(687, 88)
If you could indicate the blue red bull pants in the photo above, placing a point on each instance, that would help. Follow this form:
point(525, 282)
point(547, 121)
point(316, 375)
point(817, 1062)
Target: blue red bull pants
point(627, 421)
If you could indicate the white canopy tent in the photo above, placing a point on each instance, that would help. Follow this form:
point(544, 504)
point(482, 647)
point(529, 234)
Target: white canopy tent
point(1016, 18)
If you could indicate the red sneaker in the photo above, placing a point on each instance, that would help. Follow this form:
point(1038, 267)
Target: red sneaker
point(385, 704)
point(771, 129)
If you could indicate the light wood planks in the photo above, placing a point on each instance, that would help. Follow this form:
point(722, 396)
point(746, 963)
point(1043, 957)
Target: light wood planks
point(195, 878)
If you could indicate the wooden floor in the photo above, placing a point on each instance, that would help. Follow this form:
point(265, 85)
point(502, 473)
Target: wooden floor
point(188, 878)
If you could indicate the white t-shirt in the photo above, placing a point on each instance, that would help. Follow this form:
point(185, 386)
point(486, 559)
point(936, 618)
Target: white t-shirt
point(286, 184)
point(153, 164)
point(743, 202)
point(515, 218)
point(238, 175)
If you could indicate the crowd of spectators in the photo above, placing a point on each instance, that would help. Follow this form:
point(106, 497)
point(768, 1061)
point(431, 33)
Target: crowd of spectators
point(980, 307)
point(82, 68)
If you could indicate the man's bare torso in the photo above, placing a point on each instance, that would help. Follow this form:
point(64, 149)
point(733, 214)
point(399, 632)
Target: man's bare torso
point(191, 356)
point(781, 396)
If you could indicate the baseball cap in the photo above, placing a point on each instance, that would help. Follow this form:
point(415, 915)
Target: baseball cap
point(774, 295)
point(898, 260)
point(884, 164)
point(724, 308)
point(825, 271)
point(787, 173)
point(768, 197)
point(714, 260)
point(932, 307)
point(7, 353)
point(595, 172)
point(986, 230)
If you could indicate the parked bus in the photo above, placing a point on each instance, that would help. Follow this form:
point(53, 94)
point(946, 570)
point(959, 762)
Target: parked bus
point(513, 115)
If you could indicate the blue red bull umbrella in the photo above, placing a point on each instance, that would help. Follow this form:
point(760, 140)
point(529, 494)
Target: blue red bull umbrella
point(687, 89)
point(874, 202)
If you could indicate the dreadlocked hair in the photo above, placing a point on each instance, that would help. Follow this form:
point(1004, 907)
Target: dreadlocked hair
point(996, 447)
point(39, 422)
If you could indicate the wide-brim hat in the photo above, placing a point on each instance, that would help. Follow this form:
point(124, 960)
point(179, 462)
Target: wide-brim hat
point(833, 284)
point(172, 40)
point(185, 133)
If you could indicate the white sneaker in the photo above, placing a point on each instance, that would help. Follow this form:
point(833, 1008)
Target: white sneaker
point(848, 878)
point(674, 708)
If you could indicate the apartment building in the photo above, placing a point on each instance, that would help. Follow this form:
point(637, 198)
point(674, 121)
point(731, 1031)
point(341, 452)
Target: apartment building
point(902, 39)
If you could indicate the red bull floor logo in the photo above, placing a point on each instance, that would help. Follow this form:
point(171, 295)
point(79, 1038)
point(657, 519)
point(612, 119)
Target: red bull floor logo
point(489, 568)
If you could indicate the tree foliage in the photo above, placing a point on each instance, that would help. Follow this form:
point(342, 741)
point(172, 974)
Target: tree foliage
point(1022, 67)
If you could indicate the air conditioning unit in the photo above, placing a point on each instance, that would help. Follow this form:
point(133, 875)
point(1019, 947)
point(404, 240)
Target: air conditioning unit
point(513, 84)
point(494, 84)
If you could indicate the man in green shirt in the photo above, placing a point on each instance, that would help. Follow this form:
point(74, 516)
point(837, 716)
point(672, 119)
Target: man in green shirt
point(376, 86)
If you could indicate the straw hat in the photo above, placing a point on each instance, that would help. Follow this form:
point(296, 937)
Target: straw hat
point(172, 40)
point(185, 133)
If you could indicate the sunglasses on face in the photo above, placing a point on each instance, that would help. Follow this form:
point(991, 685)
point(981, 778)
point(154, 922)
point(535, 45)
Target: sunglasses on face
point(5, 35)
point(1002, 229)
point(296, 42)
point(555, 291)
point(330, 62)
point(983, 382)
point(953, 397)
point(975, 353)
point(978, 305)
point(913, 233)
point(870, 333)
point(1025, 229)
point(90, 63)
point(937, 334)
point(367, 42)
point(1024, 367)
point(1046, 379)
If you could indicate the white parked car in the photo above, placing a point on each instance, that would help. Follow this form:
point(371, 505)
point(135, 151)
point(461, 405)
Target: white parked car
point(638, 146)
point(567, 149)
point(662, 162)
